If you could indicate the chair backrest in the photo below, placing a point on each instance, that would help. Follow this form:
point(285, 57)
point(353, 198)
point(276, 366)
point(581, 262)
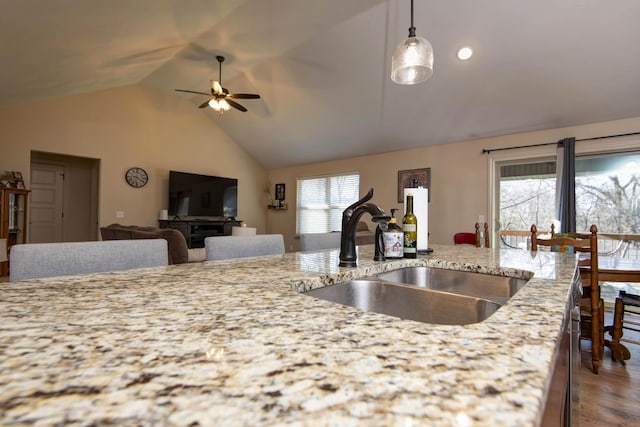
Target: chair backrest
point(39, 260)
point(317, 241)
point(243, 231)
point(482, 234)
point(228, 247)
point(583, 243)
point(464, 238)
point(580, 242)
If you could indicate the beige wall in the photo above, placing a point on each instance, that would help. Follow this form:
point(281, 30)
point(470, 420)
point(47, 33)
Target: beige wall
point(133, 126)
point(459, 175)
point(141, 126)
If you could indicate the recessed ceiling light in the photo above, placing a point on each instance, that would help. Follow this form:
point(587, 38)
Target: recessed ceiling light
point(465, 53)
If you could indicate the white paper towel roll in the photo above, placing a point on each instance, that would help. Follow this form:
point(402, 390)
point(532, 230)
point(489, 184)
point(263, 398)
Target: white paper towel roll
point(421, 211)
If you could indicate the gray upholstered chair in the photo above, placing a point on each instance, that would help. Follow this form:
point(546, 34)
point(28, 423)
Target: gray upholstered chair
point(39, 260)
point(317, 241)
point(227, 247)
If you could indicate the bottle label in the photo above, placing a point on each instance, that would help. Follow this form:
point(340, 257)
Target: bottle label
point(409, 227)
point(410, 243)
point(393, 242)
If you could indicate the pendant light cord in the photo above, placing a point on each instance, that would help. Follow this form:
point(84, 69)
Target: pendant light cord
point(412, 30)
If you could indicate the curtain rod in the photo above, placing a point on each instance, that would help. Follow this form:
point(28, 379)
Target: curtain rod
point(487, 151)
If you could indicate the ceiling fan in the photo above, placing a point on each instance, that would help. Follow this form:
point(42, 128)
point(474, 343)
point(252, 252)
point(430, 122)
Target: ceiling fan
point(220, 99)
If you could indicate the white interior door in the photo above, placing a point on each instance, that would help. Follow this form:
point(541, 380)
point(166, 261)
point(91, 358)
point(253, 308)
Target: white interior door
point(46, 201)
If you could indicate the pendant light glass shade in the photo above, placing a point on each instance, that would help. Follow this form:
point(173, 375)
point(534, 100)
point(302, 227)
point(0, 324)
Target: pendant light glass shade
point(412, 61)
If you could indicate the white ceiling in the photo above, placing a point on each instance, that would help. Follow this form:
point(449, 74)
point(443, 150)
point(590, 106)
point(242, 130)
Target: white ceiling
point(322, 66)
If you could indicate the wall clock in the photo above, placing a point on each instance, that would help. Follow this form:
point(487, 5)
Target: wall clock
point(136, 177)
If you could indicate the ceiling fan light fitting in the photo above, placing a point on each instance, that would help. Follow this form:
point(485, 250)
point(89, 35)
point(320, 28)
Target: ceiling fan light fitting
point(224, 105)
point(219, 105)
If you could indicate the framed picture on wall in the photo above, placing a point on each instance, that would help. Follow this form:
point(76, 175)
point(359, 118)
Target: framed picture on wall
point(413, 178)
point(279, 191)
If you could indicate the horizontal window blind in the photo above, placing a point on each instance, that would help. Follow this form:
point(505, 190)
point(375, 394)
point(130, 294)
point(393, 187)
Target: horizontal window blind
point(321, 201)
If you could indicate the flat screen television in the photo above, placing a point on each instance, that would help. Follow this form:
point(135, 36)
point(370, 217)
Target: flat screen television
point(193, 195)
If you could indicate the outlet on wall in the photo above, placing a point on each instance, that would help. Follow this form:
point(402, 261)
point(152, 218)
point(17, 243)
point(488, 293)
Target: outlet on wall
point(119, 214)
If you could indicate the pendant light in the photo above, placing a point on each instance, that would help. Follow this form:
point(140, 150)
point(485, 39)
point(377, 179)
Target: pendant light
point(412, 60)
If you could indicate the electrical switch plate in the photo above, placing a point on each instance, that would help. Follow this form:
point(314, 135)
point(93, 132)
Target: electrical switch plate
point(119, 214)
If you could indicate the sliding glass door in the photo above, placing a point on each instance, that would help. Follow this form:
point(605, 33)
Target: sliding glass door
point(607, 193)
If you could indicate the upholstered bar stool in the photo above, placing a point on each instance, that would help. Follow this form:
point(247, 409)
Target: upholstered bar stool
point(229, 247)
point(318, 241)
point(40, 260)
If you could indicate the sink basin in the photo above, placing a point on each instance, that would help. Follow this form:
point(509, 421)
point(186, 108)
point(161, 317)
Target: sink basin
point(485, 286)
point(408, 302)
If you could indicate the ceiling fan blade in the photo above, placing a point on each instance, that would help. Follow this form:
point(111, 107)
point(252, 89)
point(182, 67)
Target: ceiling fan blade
point(244, 96)
point(204, 104)
point(192, 91)
point(216, 89)
point(235, 105)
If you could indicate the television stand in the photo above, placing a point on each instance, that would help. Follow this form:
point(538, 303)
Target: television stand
point(196, 230)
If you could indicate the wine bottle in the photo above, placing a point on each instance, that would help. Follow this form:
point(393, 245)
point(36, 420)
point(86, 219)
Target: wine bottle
point(410, 230)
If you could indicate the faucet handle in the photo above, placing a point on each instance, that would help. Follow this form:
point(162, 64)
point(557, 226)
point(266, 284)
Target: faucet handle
point(366, 198)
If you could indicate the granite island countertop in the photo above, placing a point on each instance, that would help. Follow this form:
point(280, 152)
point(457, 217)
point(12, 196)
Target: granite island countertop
point(235, 343)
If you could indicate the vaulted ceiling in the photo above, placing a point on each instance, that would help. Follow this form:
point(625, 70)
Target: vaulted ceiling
point(322, 67)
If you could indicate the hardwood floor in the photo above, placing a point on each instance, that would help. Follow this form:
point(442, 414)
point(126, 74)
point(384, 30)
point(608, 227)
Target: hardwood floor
point(611, 398)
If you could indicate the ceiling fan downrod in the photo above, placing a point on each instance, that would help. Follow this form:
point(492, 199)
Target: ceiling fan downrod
point(220, 61)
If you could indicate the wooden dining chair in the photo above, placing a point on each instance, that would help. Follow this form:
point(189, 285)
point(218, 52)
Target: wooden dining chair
point(591, 304)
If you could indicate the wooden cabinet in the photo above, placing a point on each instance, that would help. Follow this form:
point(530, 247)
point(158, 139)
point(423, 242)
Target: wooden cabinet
point(196, 231)
point(13, 219)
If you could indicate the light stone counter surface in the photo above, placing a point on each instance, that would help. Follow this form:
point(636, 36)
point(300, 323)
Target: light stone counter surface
point(234, 343)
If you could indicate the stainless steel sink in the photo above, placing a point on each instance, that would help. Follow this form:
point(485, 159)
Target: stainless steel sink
point(486, 286)
point(408, 302)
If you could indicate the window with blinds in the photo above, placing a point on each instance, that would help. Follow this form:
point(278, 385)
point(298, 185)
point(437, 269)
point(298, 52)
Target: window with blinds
point(321, 201)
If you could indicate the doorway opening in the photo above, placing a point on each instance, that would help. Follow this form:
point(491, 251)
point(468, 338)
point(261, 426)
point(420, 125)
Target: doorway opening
point(64, 198)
